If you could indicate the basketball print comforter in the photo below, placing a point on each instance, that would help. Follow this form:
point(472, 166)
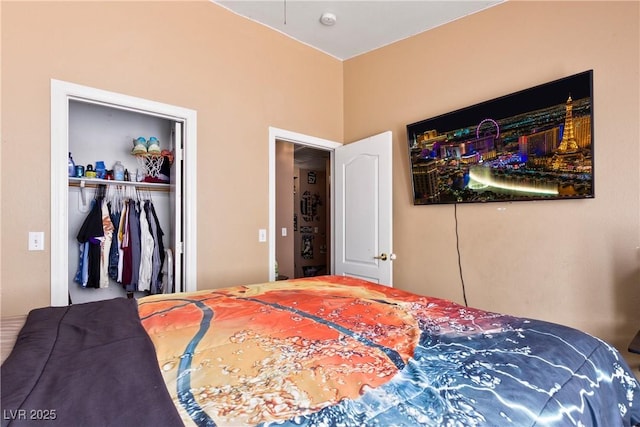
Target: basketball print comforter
point(332, 350)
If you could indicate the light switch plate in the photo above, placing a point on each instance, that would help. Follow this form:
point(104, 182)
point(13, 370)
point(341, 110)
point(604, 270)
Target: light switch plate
point(262, 235)
point(36, 240)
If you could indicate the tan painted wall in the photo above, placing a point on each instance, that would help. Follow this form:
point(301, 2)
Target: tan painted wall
point(239, 76)
point(573, 262)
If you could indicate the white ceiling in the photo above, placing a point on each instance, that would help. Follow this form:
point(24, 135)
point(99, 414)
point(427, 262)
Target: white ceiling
point(361, 25)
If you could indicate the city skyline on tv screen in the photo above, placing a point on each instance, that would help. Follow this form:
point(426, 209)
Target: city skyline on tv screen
point(535, 144)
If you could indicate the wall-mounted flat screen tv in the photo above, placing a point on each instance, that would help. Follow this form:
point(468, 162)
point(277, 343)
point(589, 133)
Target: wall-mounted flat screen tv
point(536, 144)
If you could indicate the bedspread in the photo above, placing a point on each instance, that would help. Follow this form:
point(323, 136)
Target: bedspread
point(334, 350)
point(87, 365)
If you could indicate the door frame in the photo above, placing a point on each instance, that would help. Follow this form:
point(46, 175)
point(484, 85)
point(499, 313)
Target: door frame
point(277, 134)
point(61, 93)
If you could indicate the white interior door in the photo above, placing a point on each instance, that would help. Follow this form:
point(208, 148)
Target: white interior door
point(363, 209)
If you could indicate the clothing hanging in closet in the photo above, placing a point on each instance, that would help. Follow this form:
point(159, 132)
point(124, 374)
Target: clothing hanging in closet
point(121, 240)
point(95, 238)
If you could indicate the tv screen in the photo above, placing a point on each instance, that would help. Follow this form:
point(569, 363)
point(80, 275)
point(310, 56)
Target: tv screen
point(535, 144)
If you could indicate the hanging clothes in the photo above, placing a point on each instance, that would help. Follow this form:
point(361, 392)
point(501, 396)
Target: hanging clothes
point(82, 275)
point(158, 248)
point(155, 256)
point(121, 240)
point(127, 269)
point(115, 210)
point(91, 232)
point(134, 244)
point(105, 245)
point(114, 253)
point(146, 253)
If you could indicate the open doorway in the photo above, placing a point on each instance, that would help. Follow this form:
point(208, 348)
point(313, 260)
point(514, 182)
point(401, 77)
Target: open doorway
point(361, 184)
point(303, 210)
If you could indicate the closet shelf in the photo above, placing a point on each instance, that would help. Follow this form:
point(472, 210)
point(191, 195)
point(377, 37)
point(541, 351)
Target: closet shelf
point(94, 182)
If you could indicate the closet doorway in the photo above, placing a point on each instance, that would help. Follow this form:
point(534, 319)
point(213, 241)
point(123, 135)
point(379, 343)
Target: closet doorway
point(303, 210)
point(182, 190)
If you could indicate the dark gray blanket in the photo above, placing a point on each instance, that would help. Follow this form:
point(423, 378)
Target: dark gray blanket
point(85, 365)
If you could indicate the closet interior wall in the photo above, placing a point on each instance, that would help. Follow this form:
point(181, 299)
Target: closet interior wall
point(101, 133)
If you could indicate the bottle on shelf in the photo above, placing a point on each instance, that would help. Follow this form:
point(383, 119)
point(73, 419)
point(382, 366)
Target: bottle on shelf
point(89, 172)
point(118, 171)
point(72, 166)
point(101, 170)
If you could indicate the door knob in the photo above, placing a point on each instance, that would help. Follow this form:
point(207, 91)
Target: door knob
point(382, 257)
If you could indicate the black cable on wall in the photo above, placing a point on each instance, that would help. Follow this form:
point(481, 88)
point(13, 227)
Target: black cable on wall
point(464, 291)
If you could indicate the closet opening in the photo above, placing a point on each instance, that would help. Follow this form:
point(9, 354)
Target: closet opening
point(99, 128)
point(140, 200)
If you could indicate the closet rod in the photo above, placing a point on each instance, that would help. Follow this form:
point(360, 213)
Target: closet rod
point(94, 182)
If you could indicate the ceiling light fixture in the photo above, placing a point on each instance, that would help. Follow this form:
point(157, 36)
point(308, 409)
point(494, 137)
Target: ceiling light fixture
point(328, 19)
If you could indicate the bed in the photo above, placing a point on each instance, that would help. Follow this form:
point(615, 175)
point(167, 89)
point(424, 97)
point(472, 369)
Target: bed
point(321, 351)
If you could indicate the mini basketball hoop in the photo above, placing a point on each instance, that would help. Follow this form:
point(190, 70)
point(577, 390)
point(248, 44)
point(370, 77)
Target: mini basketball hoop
point(150, 164)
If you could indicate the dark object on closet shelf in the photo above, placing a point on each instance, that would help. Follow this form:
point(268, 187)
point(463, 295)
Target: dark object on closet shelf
point(165, 169)
point(154, 180)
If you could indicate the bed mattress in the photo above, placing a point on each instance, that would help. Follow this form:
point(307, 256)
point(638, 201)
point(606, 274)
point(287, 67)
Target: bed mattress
point(322, 351)
point(9, 328)
point(342, 351)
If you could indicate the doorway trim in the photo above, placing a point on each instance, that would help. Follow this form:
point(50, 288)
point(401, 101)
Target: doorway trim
point(277, 134)
point(61, 93)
